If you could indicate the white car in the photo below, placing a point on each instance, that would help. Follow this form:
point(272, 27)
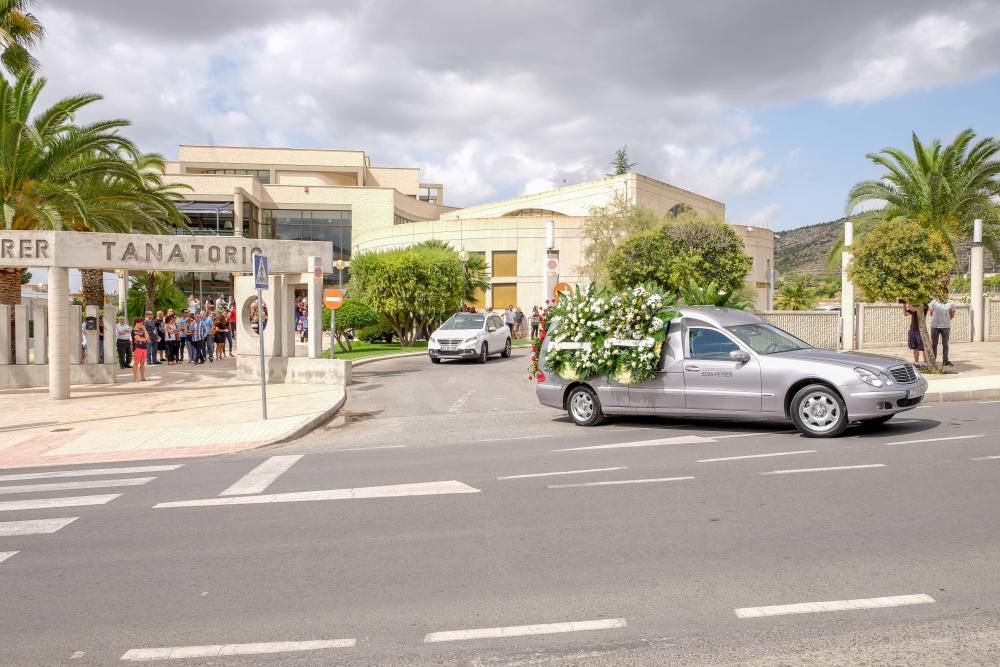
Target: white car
point(470, 336)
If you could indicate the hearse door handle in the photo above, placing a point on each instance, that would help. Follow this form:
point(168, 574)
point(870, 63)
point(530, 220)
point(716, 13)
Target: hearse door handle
point(693, 369)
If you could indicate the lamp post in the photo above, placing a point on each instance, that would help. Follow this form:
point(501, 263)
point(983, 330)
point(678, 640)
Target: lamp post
point(340, 265)
point(847, 289)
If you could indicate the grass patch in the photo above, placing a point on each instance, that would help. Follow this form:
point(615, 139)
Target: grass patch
point(363, 349)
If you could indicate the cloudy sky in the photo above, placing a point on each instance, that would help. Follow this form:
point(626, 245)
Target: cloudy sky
point(767, 105)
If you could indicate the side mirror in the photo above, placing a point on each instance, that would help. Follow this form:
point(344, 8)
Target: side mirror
point(739, 355)
point(492, 329)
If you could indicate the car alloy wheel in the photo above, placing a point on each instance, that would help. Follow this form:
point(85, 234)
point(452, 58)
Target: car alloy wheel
point(584, 407)
point(818, 412)
point(506, 350)
point(484, 354)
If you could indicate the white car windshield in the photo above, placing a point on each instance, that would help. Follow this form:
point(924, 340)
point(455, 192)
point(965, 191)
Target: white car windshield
point(465, 321)
point(766, 339)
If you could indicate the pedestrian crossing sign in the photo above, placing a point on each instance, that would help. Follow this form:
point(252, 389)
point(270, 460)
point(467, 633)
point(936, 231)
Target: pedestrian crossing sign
point(260, 271)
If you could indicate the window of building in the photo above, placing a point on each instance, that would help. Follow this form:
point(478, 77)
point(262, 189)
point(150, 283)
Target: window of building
point(504, 295)
point(300, 225)
point(504, 263)
point(208, 218)
point(400, 220)
point(533, 212)
point(262, 175)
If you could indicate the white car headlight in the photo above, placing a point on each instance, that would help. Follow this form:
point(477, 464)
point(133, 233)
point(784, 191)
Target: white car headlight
point(885, 379)
point(868, 377)
point(470, 339)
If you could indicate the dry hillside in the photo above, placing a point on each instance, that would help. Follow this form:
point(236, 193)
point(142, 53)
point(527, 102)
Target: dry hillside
point(806, 249)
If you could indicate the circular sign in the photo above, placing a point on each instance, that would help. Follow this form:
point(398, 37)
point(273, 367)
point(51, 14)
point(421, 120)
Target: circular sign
point(333, 299)
point(561, 287)
point(552, 266)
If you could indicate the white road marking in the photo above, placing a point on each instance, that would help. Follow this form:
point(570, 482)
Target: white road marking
point(833, 605)
point(620, 481)
point(563, 472)
point(45, 503)
point(34, 527)
point(261, 477)
point(134, 470)
point(67, 486)
point(789, 472)
point(748, 435)
point(4, 555)
point(917, 442)
point(457, 405)
point(985, 458)
point(676, 440)
point(219, 650)
point(756, 456)
point(524, 630)
point(986, 402)
point(396, 490)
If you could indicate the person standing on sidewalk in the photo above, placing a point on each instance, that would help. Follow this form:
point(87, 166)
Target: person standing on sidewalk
point(140, 348)
point(231, 334)
point(534, 320)
point(182, 334)
point(913, 339)
point(199, 333)
point(150, 326)
point(123, 341)
point(170, 337)
point(942, 313)
point(508, 318)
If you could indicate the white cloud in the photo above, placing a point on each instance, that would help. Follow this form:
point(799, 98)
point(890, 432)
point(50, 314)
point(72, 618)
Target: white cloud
point(765, 216)
point(717, 173)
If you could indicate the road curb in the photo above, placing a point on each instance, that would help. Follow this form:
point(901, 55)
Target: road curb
point(962, 395)
point(401, 355)
point(320, 419)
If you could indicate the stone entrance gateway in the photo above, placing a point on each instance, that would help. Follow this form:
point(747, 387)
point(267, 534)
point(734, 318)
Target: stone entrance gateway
point(291, 264)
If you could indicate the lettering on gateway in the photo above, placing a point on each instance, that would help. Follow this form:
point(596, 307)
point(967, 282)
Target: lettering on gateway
point(150, 252)
point(24, 249)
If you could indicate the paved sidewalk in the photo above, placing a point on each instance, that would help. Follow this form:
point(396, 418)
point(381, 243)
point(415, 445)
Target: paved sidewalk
point(180, 411)
point(975, 376)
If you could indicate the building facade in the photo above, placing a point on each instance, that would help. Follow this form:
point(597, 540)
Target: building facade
point(531, 243)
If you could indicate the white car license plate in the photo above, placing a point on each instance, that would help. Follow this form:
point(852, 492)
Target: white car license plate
point(915, 393)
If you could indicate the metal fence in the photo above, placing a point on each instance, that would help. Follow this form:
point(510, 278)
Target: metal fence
point(819, 329)
point(991, 326)
point(886, 325)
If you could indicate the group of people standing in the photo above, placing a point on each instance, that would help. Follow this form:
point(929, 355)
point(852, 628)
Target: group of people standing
point(520, 325)
point(942, 312)
point(204, 333)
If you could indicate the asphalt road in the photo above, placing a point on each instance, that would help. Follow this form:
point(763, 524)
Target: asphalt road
point(437, 511)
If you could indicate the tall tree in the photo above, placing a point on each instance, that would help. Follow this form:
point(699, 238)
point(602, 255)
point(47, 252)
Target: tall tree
point(621, 162)
point(19, 31)
point(795, 295)
point(477, 276)
point(897, 260)
point(942, 188)
point(59, 175)
point(606, 227)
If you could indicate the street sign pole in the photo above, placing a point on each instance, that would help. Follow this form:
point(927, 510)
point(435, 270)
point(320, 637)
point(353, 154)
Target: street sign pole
point(333, 299)
point(333, 333)
point(260, 280)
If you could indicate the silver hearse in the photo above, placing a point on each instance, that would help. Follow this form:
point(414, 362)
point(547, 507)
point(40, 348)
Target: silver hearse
point(729, 364)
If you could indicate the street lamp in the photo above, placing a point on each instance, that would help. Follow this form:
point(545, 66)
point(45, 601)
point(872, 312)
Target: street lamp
point(340, 265)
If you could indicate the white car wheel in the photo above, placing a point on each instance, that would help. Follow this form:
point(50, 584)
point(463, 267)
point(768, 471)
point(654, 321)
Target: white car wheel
point(506, 350)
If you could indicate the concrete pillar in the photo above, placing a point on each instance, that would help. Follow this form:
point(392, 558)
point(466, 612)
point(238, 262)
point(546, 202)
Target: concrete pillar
point(976, 269)
point(237, 213)
point(59, 333)
point(5, 357)
point(123, 293)
point(314, 305)
point(75, 334)
point(41, 336)
point(20, 334)
point(273, 332)
point(93, 354)
point(847, 290)
point(109, 335)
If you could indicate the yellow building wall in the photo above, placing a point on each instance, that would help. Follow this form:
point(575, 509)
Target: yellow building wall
point(315, 178)
point(404, 179)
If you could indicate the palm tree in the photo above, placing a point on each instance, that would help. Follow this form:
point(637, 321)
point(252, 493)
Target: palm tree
point(145, 203)
point(795, 295)
point(940, 187)
point(57, 175)
point(710, 295)
point(19, 31)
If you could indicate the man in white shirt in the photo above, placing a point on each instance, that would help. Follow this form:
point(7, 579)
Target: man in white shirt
point(508, 318)
point(942, 313)
point(123, 341)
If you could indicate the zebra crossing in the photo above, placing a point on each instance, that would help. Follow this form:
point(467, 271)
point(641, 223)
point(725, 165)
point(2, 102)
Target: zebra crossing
point(31, 484)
